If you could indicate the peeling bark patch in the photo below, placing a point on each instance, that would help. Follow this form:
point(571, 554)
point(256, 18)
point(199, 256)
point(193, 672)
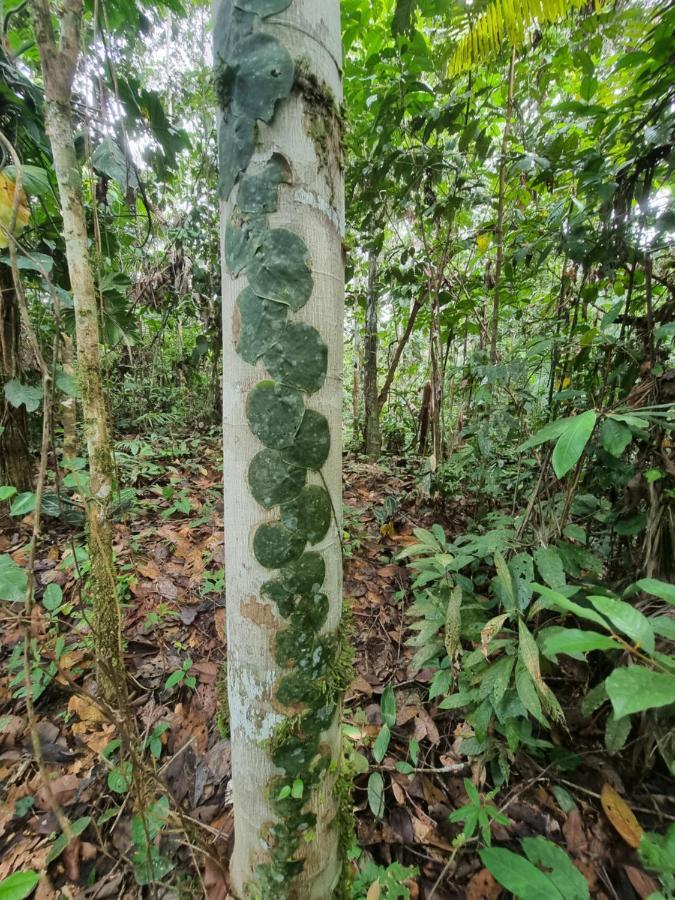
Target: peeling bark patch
point(258, 612)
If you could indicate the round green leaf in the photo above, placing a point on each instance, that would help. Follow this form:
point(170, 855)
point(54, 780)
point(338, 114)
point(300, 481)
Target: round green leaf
point(279, 270)
point(309, 513)
point(258, 194)
point(274, 413)
point(264, 75)
point(261, 322)
point(299, 358)
point(236, 143)
point(18, 394)
point(275, 546)
point(273, 480)
point(52, 597)
point(312, 442)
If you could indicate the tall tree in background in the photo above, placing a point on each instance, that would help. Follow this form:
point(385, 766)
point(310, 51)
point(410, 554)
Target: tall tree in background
point(372, 405)
point(278, 77)
point(15, 458)
point(59, 57)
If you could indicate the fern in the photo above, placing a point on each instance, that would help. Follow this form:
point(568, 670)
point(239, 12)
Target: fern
point(505, 20)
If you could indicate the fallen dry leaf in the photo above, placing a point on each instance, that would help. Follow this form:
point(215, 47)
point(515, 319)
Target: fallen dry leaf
point(621, 816)
point(643, 885)
point(483, 887)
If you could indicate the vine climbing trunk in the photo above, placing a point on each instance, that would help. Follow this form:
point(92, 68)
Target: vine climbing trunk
point(370, 395)
point(59, 59)
point(277, 72)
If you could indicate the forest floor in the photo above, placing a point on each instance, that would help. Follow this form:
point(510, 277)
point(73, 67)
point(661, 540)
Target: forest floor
point(169, 550)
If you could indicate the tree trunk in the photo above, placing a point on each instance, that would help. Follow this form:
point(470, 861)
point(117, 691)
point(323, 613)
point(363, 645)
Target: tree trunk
point(16, 467)
point(400, 347)
point(436, 381)
point(68, 404)
point(494, 328)
point(58, 68)
point(356, 384)
point(370, 396)
point(283, 294)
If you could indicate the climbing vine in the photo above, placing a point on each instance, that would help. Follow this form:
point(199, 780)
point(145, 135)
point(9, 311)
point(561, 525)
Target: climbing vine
point(254, 73)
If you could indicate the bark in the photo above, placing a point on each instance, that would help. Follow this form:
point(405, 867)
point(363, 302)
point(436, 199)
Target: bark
point(311, 207)
point(424, 419)
point(68, 404)
point(59, 62)
point(400, 347)
point(370, 396)
point(436, 380)
point(494, 329)
point(356, 384)
point(16, 466)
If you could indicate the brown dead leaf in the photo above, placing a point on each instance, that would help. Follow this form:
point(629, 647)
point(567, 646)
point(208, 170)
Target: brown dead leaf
point(621, 816)
point(483, 887)
point(643, 885)
point(575, 836)
point(63, 788)
point(87, 711)
point(374, 891)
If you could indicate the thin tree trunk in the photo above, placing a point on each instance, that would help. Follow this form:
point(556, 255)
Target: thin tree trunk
point(59, 62)
point(68, 404)
point(16, 468)
point(400, 347)
point(370, 396)
point(436, 380)
point(356, 383)
point(282, 425)
point(494, 330)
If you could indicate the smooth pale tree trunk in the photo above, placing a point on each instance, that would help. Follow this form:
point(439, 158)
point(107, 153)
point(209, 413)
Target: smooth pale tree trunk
point(16, 467)
point(370, 393)
point(68, 404)
point(304, 136)
point(59, 60)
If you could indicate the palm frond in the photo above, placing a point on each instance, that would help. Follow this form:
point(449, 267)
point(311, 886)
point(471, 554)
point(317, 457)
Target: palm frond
point(505, 21)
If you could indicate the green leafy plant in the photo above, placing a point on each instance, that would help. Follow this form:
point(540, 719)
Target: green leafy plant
point(657, 853)
point(544, 871)
point(390, 879)
point(19, 885)
point(181, 676)
point(478, 814)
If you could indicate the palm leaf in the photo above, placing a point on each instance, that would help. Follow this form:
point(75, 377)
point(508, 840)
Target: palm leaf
point(505, 20)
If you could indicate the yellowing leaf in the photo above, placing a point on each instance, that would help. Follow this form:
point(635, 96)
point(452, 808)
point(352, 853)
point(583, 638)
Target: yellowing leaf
point(483, 241)
point(374, 891)
point(621, 816)
point(6, 206)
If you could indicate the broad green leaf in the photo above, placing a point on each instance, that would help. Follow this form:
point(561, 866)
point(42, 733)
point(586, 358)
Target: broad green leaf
point(506, 582)
point(22, 504)
point(635, 688)
point(7, 491)
point(18, 394)
point(34, 180)
point(13, 580)
point(658, 589)
point(573, 642)
point(627, 619)
point(19, 885)
point(615, 436)
point(381, 744)
point(376, 794)
point(388, 706)
point(557, 865)
point(528, 654)
point(572, 442)
point(548, 433)
point(616, 732)
point(550, 566)
point(52, 597)
point(518, 875)
point(556, 600)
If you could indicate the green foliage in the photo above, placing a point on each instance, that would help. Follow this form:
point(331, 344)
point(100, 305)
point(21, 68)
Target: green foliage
point(19, 885)
point(391, 880)
point(478, 814)
point(544, 871)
